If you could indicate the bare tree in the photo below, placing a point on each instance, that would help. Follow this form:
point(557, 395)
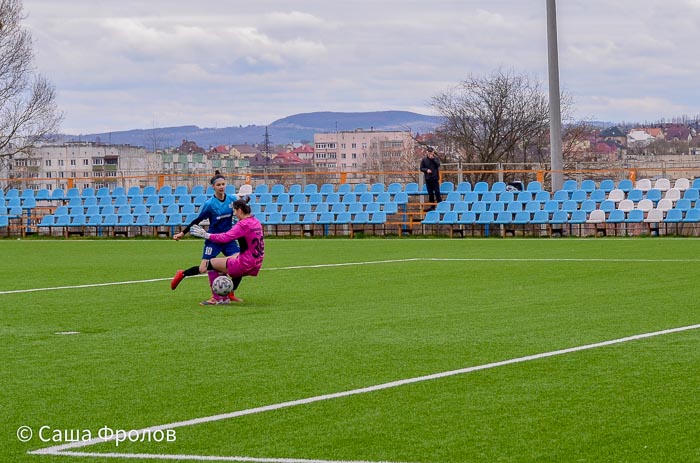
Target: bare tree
point(154, 138)
point(489, 119)
point(28, 111)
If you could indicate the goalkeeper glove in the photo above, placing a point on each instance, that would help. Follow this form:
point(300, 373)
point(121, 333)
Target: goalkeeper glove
point(199, 232)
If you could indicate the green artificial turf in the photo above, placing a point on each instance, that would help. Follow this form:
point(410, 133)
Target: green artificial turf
point(328, 316)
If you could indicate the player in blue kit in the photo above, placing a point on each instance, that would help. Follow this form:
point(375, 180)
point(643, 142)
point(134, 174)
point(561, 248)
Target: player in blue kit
point(219, 211)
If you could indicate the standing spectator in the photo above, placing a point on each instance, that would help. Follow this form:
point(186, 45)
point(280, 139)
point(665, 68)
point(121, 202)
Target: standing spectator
point(430, 166)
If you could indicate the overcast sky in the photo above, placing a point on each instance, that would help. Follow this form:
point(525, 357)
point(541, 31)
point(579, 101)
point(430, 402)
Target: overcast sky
point(126, 64)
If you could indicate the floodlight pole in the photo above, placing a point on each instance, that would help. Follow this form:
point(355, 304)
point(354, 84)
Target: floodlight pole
point(554, 98)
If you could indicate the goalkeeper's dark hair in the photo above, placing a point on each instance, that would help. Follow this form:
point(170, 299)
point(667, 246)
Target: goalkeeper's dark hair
point(217, 176)
point(242, 204)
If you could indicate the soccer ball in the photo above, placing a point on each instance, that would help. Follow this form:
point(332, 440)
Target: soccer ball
point(222, 285)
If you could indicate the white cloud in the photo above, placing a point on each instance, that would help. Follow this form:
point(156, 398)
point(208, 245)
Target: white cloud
point(118, 64)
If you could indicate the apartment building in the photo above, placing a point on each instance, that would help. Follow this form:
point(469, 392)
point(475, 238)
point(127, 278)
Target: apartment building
point(82, 164)
point(362, 150)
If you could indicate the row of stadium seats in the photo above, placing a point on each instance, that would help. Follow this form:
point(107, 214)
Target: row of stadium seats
point(178, 211)
point(488, 197)
point(617, 221)
point(586, 185)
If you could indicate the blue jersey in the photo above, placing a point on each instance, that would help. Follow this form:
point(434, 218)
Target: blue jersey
point(218, 212)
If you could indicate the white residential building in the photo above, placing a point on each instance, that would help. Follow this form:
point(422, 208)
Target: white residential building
point(81, 165)
point(361, 150)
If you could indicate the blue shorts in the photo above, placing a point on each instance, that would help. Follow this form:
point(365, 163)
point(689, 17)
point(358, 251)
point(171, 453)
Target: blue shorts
point(213, 249)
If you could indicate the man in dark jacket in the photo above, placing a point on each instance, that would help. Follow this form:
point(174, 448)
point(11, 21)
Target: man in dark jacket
point(430, 166)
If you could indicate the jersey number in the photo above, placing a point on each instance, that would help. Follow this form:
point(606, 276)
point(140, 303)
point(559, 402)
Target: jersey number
point(258, 248)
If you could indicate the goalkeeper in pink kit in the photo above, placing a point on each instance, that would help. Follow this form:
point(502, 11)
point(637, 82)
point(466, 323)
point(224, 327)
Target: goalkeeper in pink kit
point(249, 233)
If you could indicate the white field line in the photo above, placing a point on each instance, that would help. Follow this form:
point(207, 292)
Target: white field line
point(375, 262)
point(60, 449)
point(155, 456)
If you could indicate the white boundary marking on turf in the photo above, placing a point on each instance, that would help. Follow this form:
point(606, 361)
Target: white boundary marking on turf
point(61, 449)
point(374, 262)
point(156, 456)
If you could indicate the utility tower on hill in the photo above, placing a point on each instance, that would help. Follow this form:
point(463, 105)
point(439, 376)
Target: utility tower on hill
point(266, 144)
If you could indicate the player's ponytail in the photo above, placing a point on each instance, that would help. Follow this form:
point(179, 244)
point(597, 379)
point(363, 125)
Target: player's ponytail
point(217, 176)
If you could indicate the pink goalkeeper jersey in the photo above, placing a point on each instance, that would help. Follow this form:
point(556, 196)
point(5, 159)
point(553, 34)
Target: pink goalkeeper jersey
point(249, 233)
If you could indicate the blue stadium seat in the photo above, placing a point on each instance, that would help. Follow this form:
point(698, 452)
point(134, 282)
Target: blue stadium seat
point(431, 218)
point(261, 190)
point(120, 200)
point(598, 196)
point(287, 208)
point(453, 197)
point(447, 187)
point(579, 195)
point(607, 185)
point(366, 198)
point(326, 189)
point(534, 186)
point(533, 206)
point(78, 220)
point(506, 196)
point(360, 188)
point(383, 198)
point(166, 190)
point(394, 188)
point(625, 185)
point(304, 208)
point(125, 220)
point(103, 192)
point(466, 218)
point(525, 196)
point(401, 198)
point(411, 188)
point(588, 206)
point(542, 196)
point(488, 197)
point(46, 221)
point(560, 196)
point(496, 206)
point(320, 208)
point(277, 189)
point(570, 185)
point(504, 218)
point(692, 216)
point(478, 207)
point(310, 189)
point(470, 197)
point(498, 187)
point(133, 191)
point(349, 198)
point(588, 185)
point(377, 188)
point(654, 195)
point(514, 206)
point(464, 187)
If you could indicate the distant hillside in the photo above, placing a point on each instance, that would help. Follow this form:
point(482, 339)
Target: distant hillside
point(287, 130)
